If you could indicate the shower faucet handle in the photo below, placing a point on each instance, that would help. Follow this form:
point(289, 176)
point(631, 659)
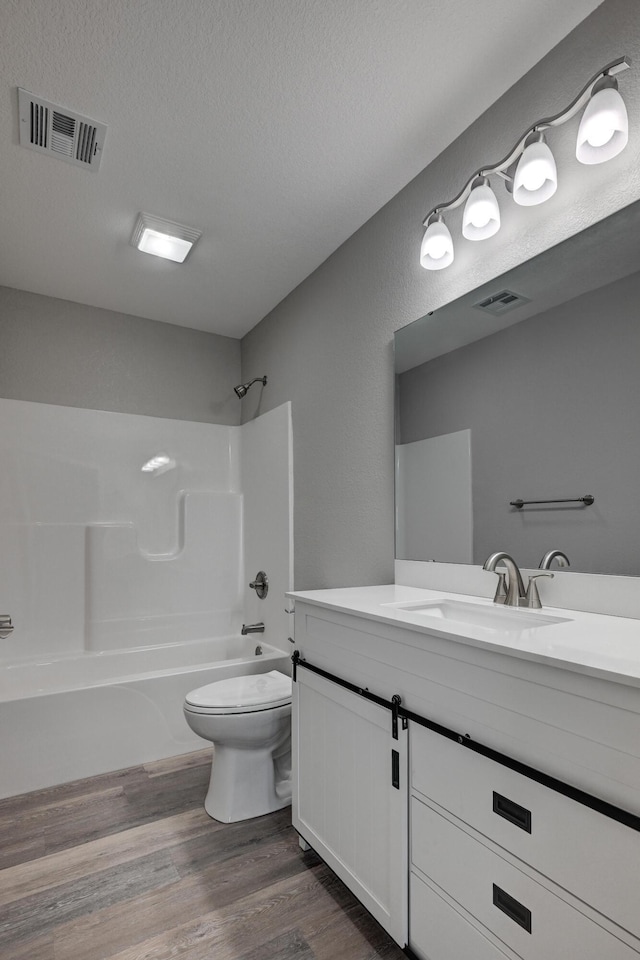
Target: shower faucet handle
point(6, 627)
point(260, 584)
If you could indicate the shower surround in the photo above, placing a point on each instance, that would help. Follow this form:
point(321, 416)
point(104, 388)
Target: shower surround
point(128, 544)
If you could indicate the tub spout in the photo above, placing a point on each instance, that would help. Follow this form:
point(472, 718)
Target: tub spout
point(252, 628)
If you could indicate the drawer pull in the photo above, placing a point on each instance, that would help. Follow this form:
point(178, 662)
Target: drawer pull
point(514, 910)
point(513, 812)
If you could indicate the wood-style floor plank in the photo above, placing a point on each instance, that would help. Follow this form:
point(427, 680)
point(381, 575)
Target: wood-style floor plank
point(39, 948)
point(153, 914)
point(35, 875)
point(128, 866)
point(39, 914)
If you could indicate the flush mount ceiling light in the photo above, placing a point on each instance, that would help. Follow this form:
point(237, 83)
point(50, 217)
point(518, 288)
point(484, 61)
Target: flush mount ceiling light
point(163, 238)
point(529, 168)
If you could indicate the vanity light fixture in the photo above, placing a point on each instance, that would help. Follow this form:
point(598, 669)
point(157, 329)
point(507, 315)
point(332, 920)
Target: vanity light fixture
point(481, 217)
point(437, 245)
point(604, 128)
point(163, 238)
point(535, 179)
point(529, 168)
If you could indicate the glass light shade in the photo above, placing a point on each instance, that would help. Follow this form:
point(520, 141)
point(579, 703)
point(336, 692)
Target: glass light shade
point(436, 251)
point(604, 128)
point(164, 245)
point(481, 218)
point(536, 178)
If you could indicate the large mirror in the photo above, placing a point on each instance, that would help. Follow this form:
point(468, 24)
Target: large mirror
point(528, 389)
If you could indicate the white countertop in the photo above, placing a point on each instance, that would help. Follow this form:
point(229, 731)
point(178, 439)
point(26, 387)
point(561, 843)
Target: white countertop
point(594, 644)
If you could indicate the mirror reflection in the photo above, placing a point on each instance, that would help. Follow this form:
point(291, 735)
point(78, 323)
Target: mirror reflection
point(527, 389)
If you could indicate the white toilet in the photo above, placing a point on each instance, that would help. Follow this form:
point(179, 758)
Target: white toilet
point(248, 720)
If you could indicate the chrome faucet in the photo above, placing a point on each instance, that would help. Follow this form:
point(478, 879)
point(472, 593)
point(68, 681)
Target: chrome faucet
point(550, 556)
point(6, 627)
point(516, 594)
point(252, 628)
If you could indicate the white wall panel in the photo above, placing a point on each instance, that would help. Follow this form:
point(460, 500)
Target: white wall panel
point(267, 486)
point(99, 553)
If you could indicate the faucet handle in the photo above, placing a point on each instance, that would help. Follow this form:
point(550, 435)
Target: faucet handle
point(532, 598)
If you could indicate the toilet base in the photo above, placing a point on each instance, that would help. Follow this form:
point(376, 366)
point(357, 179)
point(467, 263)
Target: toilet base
point(247, 783)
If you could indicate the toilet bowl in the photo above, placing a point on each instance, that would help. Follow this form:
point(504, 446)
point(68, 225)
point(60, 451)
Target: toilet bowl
point(248, 720)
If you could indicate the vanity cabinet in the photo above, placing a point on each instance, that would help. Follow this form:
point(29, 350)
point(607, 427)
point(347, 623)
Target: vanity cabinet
point(350, 794)
point(529, 870)
point(500, 864)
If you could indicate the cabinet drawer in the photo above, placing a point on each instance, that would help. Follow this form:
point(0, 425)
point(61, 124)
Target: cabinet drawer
point(523, 914)
point(585, 852)
point(438, 932)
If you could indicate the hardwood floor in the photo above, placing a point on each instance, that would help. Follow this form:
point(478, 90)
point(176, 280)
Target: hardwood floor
point(128, 866)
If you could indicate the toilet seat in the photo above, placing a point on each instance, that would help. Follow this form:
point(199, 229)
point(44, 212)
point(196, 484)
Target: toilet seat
point(248, 694)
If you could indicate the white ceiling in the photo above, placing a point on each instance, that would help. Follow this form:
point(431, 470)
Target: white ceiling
point(277, 128)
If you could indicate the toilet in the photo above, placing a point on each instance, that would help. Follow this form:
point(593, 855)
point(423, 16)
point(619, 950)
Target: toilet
point(248, 720)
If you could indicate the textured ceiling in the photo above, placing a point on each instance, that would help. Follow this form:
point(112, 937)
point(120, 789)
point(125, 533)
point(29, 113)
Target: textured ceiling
point(277, 128)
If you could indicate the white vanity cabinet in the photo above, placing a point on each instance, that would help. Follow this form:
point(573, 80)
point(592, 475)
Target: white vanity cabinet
point(350, 794)
point(530, 870)
point(500, 862)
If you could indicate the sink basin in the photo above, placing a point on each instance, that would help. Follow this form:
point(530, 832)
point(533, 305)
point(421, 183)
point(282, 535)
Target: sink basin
point(489, 617)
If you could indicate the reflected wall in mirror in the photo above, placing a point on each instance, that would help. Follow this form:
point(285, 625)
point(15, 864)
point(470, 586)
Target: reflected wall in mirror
point(527, 388)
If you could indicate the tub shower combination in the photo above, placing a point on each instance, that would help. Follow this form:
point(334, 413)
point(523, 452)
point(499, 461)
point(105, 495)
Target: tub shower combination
point(126, 586)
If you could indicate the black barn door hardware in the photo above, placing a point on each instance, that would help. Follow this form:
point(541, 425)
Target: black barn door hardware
point(607, 809)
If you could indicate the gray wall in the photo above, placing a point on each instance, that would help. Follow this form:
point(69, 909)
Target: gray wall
point(552, 404)
point(328, 346)
point(54, 351)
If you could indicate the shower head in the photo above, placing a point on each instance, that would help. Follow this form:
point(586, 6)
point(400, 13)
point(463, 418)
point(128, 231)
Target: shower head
point(242, 388)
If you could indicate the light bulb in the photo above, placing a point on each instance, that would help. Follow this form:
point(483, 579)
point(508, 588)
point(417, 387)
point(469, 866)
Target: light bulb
point(604, 128)
point(436, 251)
point(481, 218)
point(536, 178)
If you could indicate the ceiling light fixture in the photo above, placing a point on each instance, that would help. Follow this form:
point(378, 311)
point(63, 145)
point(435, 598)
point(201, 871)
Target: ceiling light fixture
point(529, 168)
point(163, 238)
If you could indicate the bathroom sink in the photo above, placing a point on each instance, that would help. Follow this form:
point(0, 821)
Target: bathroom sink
point(488, 617)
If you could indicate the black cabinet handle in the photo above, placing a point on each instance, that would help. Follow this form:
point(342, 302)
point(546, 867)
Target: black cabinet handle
point(515, 910)
point(513, 812)
point(395, 769)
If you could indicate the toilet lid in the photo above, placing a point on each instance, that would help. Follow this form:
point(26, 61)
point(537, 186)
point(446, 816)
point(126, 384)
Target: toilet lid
point(259, 691)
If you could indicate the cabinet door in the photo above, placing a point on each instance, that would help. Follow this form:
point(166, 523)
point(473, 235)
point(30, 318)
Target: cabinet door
point(345, 804)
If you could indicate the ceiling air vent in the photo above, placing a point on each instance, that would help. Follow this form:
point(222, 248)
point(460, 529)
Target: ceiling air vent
point(51, 129)
point(499, 303)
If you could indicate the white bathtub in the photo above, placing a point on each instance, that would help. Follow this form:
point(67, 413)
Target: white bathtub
point(81, 715)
